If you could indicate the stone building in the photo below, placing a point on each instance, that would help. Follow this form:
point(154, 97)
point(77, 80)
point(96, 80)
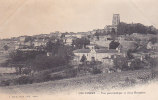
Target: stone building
point(115, 23)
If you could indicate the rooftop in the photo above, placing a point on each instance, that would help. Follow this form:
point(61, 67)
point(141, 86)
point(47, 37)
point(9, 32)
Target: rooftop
point(97, 51)
point(82, 51)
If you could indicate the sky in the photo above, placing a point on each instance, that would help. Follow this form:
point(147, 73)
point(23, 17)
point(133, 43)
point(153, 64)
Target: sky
point(31, 17)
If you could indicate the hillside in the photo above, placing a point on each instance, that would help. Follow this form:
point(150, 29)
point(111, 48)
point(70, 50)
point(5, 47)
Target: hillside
point(91, 83)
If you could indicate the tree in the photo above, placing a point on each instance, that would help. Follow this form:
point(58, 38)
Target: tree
point(153, 40)
point(120, 62)
point(113, 45)
point(65, 52)
point(49, 46)
point(83, 59)
point(20, 59)
point(42, 62)
point(129, 54)
point(124, 28)
point(62, 36)
point(6, 47)
point(98, 37)
point(61, 58)
point(136, 64)
point(152, 61)
point(113, 34)
point(53, 47)
point(80, 43)
point(28, 38)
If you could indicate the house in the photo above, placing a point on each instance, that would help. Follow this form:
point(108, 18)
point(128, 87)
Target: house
point(91, 46)
point(102, 38)
point(24, 42)
point(126, 45)
point(27, 49)
point(109, 28)
point(108, 61)
point(69, 40)
point(56, 34)
point(77, 35)
point(140, 36)
point(101, 41)
point(39, 42)
point(152, 46)
point(154, 55)
point(22, 38)
point(100, 31)
point(121, 37)
point(103, 55)
point(93, 31)
point(139, 55)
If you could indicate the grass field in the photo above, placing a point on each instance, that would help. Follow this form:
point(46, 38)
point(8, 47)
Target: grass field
point(92, 83)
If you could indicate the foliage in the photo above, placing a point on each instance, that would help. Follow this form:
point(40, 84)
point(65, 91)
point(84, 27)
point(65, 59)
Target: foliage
point(28, 38)
point(20, 59)
point(5, 83)
point(63, 35)
point(70, 73)
point(53, 46)
point(152, 61)
point(6, 47)
point(38, 60)
point(129, 54)
point(24, 80)
point(96, 71)
point(100, 34)
point(21, 56)
point(113, 45)
point(154, 40)
point(83, 59)
point(42, 62)
point(137, 64)
point(124, 28)
point(80, 43)
point(113, 34)
point(120, 62)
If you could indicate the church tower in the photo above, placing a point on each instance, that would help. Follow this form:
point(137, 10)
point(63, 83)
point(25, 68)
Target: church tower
point(116, 19)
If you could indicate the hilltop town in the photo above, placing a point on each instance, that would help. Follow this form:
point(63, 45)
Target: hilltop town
point(117, 48)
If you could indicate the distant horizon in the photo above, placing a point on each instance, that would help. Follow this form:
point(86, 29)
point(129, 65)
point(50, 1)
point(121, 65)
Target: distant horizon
point(33, 17)
point(67, 31)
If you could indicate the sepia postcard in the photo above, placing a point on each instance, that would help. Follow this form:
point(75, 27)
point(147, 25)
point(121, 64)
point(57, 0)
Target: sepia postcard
point(78, 49)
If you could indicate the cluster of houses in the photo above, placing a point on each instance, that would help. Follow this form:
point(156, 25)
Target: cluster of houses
point(103, 53)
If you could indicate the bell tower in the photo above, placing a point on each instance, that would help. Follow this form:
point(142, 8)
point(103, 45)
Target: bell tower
point(116, 19)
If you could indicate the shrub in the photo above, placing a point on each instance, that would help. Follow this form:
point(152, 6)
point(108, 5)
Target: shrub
point(41, 77)
point(42, 62)
point(96, 71)
point(71, 73)
point(129, 82)
point(57, 77)
point(23, 80)
point(26, 71)
point(5, 83)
